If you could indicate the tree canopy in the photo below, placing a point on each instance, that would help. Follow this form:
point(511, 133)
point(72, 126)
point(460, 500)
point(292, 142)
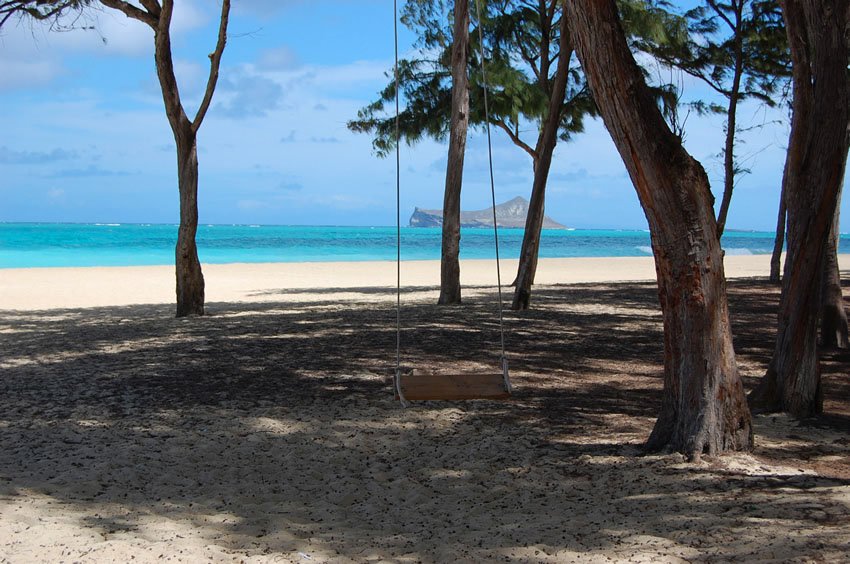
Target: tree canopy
point(521, 41)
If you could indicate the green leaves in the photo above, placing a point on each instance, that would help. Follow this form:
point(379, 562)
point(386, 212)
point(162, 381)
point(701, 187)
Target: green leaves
point(725, 39)
point(521, 43)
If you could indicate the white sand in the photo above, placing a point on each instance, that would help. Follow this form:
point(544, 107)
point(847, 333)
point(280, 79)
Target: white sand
point(268, 432)
point(56, 288)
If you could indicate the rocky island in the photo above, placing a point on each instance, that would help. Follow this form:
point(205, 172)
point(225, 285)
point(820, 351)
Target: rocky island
point(509, 214)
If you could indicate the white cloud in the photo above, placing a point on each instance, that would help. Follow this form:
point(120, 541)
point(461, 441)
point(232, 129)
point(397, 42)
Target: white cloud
point(33, 54)
point(24, 74)
point(278, 58)
point(192, 81)
point(116, 34)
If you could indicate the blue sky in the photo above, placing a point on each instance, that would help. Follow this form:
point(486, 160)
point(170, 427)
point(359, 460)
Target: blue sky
point(85, 138)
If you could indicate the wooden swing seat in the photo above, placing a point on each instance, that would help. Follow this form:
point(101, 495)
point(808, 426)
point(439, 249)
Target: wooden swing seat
point(469, 386)
point(412, 386)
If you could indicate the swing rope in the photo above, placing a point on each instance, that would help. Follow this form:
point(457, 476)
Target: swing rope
point(503, 357)
point(397, 379)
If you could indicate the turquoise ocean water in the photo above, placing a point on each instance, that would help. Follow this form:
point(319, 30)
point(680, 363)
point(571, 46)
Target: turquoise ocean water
point(64, 244)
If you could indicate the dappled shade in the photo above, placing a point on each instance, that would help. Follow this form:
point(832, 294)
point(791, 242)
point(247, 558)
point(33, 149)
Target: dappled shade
point(267, 429)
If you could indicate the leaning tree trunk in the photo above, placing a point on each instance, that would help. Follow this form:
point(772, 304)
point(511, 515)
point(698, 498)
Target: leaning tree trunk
point(813, 177)
point(833, 316)
point(545, 147)
point(779, 241)
point(704, 409)
point(450, 259)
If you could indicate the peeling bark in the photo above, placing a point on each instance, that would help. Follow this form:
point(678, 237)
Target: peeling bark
point(704, 409)
point(833, 316)
point(813, 176)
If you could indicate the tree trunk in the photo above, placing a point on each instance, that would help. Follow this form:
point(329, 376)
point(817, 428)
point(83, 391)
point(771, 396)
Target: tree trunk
point(813, 177)
point(779, 242)
point(450, 259)
point(731, 126)
point(545, 148)
point(704, 409)
point(190, 279)
point(833, 316)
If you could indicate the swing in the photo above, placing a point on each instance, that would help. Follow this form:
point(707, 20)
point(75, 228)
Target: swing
point(410, 385)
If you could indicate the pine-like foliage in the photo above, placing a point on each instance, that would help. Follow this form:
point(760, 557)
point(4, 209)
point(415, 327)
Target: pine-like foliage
point(521, 43)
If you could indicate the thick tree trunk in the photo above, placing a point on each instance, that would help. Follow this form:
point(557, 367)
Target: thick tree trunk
point(833, 316)
point(545, 148)
point(704, 409)
point(813, 177)
point(190, 279)
point(779, 241)
point(450, 259)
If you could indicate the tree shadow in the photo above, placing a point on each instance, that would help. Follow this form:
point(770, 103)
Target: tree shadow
point(271, 429)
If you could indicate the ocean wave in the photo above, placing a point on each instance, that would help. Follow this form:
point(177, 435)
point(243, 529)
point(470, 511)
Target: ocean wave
point(108, 224)
point(645, 249)
point(739, 252)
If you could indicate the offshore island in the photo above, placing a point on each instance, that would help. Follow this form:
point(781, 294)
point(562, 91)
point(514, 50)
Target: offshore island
point(508, 214)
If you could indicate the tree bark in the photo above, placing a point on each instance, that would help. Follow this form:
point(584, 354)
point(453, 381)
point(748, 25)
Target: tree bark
point(833, 316)
point(779, 241)
point(450, 259)
point(545, 148)
point(704, 409)
point(813, 176)
point(731, 123)
point(190, 278)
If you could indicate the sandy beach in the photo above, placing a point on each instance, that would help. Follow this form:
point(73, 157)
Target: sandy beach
point(58, 288)
point(267, 431)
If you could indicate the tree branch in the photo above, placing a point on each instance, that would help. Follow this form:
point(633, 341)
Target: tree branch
point(165, 70)
point(133, 12)
point(215, 63)
point(722, 14)
point(516, 140)
point(526, 55)
point(152, 6)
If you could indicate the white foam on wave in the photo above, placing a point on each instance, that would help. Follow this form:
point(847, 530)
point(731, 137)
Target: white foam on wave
point(645, 249)
point(108, 224)
point(739, 252)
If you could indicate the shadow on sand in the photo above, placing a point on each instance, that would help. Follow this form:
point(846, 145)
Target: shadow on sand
point(270, 430)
